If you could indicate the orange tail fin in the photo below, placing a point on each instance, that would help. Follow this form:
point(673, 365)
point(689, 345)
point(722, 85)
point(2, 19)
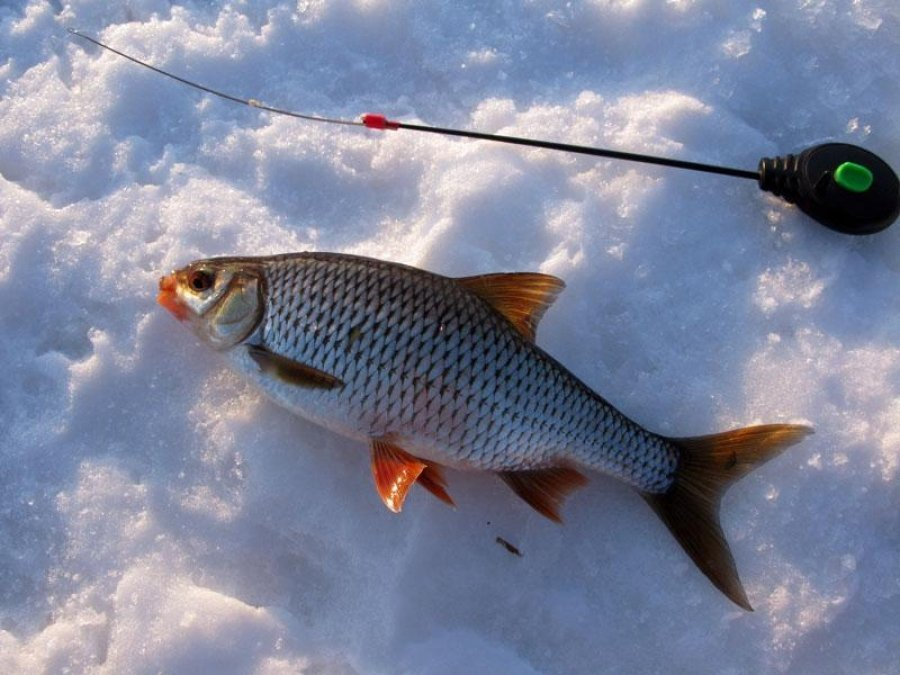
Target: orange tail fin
point(707, 466)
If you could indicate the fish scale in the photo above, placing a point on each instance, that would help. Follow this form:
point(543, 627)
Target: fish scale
point(434, 365)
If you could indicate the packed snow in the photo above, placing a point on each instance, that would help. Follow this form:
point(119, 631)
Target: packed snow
point(158, 515)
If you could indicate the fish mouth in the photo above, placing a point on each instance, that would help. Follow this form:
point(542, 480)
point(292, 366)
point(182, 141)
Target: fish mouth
point(168, 297)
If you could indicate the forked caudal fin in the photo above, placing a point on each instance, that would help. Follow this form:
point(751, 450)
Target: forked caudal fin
point(707, 466)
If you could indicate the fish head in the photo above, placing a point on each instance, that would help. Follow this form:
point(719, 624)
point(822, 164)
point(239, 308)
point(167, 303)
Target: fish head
point(221, 300)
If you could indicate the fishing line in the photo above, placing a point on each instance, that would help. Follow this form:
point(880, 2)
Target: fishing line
point(252, 102)
point(842, 186)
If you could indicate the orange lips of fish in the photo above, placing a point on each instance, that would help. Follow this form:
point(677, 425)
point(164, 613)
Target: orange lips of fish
point(168, 297)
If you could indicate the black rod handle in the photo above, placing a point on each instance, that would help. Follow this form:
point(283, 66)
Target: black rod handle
point(844, 187)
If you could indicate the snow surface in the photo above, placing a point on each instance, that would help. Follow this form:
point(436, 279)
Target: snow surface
point(157, 515)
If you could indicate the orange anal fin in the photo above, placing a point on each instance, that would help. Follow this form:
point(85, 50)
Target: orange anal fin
point(521, 297)
point(395, 471)
point(290, 371)
point(545, 490)
point(432, 479)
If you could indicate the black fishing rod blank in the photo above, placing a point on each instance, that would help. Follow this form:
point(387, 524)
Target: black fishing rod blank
point(844, 187)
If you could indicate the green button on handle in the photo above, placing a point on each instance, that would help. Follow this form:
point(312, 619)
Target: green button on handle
point(853, 177)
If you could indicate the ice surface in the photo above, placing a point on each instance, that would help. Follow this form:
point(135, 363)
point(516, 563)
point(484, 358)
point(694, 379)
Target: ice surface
point(157, 515)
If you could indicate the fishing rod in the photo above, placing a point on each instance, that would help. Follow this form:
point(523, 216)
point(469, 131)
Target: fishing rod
point(842, 186)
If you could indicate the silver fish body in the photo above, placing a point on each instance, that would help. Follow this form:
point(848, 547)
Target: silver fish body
point(428, 363)
point(434, 372)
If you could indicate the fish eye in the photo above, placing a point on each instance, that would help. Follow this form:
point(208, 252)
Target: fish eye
point(200, 280)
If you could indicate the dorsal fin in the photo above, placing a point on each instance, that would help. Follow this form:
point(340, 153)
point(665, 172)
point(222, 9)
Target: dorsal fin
point(522, 297)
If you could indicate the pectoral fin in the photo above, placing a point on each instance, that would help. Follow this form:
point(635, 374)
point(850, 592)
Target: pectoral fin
point(290, 371)
point(521, 297)
point(545, 490)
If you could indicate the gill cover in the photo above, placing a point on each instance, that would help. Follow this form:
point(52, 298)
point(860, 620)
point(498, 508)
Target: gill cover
point(238, 312)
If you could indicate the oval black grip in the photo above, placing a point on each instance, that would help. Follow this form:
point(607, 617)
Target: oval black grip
point(844, 187)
